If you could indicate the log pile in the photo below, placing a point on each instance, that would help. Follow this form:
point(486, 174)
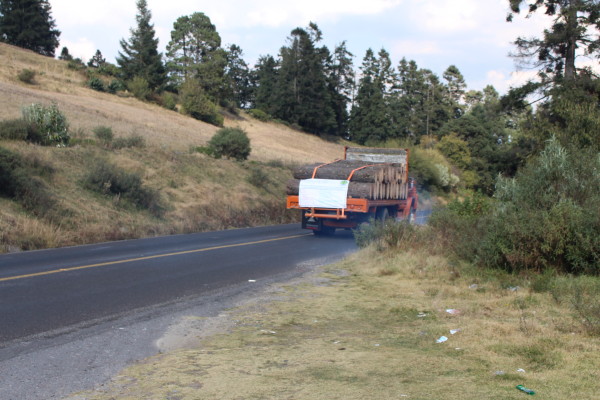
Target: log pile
point(367, 180)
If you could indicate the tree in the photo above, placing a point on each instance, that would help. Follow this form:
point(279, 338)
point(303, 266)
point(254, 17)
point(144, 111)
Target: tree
point(301, 94)
point(140, 56)
point(575, 27)
point(370, 119)
point(29, 24)
point(195, 52)
point(97, 60)
point(238, 76)
point(264, 78)
point(455, 82)
point(65, 55)
point(341, 77)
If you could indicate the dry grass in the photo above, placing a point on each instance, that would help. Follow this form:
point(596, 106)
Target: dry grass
point(371, 334)
point(193, 186)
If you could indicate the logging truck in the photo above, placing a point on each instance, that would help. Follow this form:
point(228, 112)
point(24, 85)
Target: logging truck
point(367, 184)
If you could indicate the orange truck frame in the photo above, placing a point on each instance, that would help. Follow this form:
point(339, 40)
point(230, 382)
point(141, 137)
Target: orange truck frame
point(324, 221)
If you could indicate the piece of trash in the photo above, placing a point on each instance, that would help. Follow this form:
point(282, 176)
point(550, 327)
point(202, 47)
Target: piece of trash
point(499, 373)
point(521, 370)
point(454, 331)
point(336, 342)
point(452, 311)
point(376, 344)
point(524, 389)
point(251, 280)
point(474, 286)
point(457, 348)
point(442, 339)
point(269, 332)
point(421, 315)
point(514, 288)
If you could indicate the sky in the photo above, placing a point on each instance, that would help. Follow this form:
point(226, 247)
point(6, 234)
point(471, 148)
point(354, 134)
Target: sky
point(470, 34)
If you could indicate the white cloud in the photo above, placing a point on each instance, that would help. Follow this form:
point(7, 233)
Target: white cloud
point(502, 80)
point(411, 48)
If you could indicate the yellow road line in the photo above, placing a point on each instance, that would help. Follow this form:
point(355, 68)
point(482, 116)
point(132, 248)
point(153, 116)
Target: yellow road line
point(58, 271)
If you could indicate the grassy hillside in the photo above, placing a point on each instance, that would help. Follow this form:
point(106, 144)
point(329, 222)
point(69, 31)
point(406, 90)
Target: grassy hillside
point(195, 192)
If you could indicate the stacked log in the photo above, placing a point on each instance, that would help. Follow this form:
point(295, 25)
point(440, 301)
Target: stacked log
point(367, 180)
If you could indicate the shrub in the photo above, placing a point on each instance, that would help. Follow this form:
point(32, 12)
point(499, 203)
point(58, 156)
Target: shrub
point(127, 142)
point(115, 86)
point(18, 181)
point(104, 134)
point(49, 122)
point(27, 76)
point(230, 143)
point(196, 104)
point(109, 179)
point(259, 178)
point(96, 83)
point(259, 115)
point(388, 234)
point(140, 88)
point(169, 101)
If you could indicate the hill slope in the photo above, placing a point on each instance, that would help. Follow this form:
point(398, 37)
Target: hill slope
point(195, 192)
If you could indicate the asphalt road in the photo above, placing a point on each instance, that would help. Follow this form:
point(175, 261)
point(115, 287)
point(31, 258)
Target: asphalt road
point(48, 298)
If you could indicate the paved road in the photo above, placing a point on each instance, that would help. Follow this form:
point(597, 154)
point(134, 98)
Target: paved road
point(48, 297)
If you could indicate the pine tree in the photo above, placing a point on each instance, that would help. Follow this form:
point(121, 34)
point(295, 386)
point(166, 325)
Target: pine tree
point(97, 60)
point(370, 119)
point(264, 78)
point(341, 77)
point(238, 75)
point(65, 55)
point(301, 93)
point(29, 24)
point(575, 26)
point(140, 56)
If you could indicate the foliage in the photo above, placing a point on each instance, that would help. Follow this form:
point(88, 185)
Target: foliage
point(29, 24)
point(109, 179)
point(230, 143)
point(169, 101)
point(237, 74)
point(65, 55)
point(388, 235)
point(50, 122)
point(128, 142)
point(27, 76)
point(259, 115)
point(97, 84)
point(140, 57)
point(20, 181)
point(140, 88)
point(574, 26)
point(431, 171)
point(97, 60)
point(196, 103)
point(456, 150)
point(104, 134)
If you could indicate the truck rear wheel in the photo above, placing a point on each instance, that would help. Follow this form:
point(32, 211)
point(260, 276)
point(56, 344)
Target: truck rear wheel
point(382, 214)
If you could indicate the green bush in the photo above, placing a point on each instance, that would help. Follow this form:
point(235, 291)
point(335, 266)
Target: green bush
point(196, 104)
point(109, 179)
point(230, 143)
point(49, 122)
point(115, 86)
point(259, 115)
point(19, 182)
point(27, 76)
point(389, 234)
point(96, 83)
point(140, 88)
point(104, 134)
point(169, 101)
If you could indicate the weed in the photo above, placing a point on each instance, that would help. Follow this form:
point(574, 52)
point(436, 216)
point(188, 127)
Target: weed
point(51, 124)
point(108, 179)
point(96, 84)
point(104, 134)
point(13, 129)
point(127, 142)
point(27, 76)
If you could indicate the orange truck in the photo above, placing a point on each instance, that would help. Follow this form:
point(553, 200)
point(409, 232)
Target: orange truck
point(348, 211)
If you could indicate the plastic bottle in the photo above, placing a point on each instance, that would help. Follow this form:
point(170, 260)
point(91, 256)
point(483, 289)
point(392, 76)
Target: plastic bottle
point(524, 389)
